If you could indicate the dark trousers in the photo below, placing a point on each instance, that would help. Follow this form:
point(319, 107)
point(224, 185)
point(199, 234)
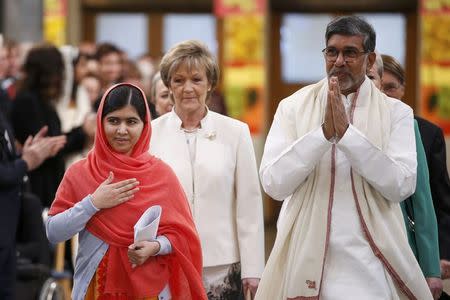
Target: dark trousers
point(7, 273)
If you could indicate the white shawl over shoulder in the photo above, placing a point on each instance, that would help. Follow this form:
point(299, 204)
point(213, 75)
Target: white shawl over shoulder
point(295, 266)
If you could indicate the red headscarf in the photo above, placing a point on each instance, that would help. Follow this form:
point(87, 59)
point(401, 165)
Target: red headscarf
point(158, 186)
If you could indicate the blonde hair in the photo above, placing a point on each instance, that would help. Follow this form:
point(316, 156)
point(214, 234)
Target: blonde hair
point(391, 65)
point(194, 55)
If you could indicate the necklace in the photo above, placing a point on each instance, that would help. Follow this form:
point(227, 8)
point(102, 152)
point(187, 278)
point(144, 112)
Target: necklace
point(190, 130)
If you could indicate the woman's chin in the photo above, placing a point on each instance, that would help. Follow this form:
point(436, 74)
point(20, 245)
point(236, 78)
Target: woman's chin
point(191, 108)
point(121, 150)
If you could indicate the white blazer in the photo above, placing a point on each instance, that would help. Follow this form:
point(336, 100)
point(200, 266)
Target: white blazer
point(222, 187)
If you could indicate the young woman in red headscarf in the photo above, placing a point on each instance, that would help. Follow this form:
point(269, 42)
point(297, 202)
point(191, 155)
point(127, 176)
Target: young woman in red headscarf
point(109, 265)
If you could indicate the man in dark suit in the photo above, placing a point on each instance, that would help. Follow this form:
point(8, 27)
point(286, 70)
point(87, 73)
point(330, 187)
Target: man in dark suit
point(13, 169)
point(433, 141)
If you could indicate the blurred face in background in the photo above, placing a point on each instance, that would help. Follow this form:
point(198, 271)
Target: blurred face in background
point(146, 66)
point(131, 73)
point(92, 86)
point(81, 69)
point(110, 68)
point(14, 58)
point(163, 103)
point(4, 63)
point(373, 75)
point(88, 48)
point(92, 66)
point(392, 86)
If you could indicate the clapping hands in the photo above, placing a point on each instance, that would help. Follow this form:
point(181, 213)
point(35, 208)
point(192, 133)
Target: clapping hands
point(37, 149)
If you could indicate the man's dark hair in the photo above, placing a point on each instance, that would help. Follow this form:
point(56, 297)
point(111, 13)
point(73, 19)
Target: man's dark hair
point(106, 49)
point(352, 25)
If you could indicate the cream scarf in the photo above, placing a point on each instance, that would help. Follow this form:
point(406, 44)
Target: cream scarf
point(296, 263)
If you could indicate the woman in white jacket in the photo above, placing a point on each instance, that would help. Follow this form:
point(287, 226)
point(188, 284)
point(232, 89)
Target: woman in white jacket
point(213, 157)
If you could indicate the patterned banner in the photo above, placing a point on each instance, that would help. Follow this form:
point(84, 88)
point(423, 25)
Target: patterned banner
point(224, 8)
point(55, 15)
point(244, 74)
point(435, 62)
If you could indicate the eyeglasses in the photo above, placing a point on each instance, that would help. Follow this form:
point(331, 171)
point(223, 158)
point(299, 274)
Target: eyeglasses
point(391, 87)
point(350, 54)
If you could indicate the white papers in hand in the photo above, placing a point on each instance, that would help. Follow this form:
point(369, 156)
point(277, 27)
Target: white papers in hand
point(147, 225)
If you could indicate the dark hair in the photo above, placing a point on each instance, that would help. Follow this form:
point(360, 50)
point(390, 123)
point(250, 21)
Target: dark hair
point(105, 49)
point(391, 65)
point(43, 72)
point(122, 96)
point(81, 56)
point(352, 25)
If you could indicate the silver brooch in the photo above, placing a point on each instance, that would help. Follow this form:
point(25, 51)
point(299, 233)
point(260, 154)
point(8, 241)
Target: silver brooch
point(210, 135)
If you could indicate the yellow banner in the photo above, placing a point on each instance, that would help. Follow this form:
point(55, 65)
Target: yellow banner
point(55, 15)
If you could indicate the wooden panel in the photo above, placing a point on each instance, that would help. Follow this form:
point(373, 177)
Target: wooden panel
point(342, 5)
point(153, 5)
point(278, 88)
point(411, 61)
point(73, 17)
point(276, 91)
point(88, 26)
point(220, 56)
point(155, 40)
point(155, 34)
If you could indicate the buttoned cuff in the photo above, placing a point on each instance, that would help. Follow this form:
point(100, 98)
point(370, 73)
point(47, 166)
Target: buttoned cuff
point(165, 247)
point(88, 205)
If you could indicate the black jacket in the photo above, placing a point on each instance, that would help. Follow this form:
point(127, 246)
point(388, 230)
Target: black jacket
point(435, 150)
point(29, 114)
point(12, 172)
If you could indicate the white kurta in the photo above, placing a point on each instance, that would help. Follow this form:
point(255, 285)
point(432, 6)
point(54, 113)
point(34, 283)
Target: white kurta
point(351, 269)
point(350, 261)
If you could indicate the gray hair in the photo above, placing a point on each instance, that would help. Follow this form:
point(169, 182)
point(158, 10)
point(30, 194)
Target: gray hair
point(156, 77)
point(394, 67)
point(352, 25)
point(379, 63)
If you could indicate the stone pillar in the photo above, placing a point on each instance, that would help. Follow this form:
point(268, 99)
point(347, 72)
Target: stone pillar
point(2, 15)
point(22, 20)
point(74, 23)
